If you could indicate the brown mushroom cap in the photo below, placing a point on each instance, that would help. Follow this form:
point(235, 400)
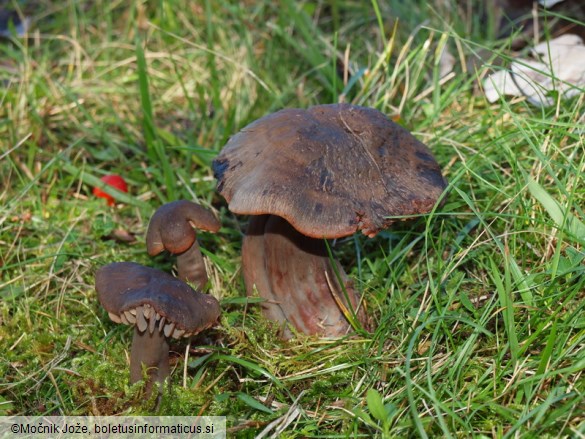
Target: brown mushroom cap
point(171, 226)
point(329, 170)
point(150, 298)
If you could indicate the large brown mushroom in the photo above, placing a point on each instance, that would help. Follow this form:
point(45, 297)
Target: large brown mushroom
point(159, 306)
point(172, 227)
point(309, 175)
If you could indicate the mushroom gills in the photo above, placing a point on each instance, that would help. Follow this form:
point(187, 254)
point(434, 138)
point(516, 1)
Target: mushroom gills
point(130, 317)
point(178, 333)
point(145, 317)
point(141, 322)
point(148, 311)
point(168, 329)
point(115, 317)
point(152, 323)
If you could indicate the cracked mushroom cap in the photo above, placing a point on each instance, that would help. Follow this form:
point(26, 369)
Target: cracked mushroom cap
point(330, 170)
point(172, 226)
point(152, 299)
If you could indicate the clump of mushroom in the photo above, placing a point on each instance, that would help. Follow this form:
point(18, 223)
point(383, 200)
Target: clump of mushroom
point(171, 228)
point(309, 175)
point(158, 305)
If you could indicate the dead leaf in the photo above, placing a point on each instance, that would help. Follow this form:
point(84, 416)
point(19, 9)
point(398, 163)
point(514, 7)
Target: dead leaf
point(557, 66)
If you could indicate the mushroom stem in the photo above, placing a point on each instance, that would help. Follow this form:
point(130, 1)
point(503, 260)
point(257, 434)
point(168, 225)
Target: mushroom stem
point(254, 270)
point(296, 276)
point(150, 349)
point(191, 267)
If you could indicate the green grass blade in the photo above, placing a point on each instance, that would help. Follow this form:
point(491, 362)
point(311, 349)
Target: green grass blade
point(249, 365)
point(154, 145)
point(548, 349)
point(506, 299)
point(562, 217)
point(251, 402)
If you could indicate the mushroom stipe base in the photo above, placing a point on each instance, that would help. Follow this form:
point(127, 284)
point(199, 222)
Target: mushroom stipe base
point(296, 276)
point(151, 351)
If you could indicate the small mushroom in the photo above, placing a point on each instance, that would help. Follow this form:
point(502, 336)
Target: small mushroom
point(309, 175)
point(171, 229)
point(158, 305)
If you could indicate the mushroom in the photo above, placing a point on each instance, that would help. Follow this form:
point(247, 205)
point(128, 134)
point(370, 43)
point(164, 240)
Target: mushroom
point(309, 175)
point(159, 306)
point(171, 229)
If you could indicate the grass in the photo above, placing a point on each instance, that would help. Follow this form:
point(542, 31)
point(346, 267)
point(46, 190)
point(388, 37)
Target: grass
point(479, 309)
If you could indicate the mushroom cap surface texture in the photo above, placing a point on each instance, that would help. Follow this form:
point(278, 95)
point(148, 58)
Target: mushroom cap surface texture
point(124, 287)
point(330, 170)
point(171, 226)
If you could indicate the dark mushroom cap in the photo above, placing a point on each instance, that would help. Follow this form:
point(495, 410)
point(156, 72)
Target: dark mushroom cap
point(171, 226)
point(153, 299)
point(329, 170)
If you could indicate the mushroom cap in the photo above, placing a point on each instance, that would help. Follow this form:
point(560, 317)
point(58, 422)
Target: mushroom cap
point(127, 288)
point(171, 226)
point(329, 170)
